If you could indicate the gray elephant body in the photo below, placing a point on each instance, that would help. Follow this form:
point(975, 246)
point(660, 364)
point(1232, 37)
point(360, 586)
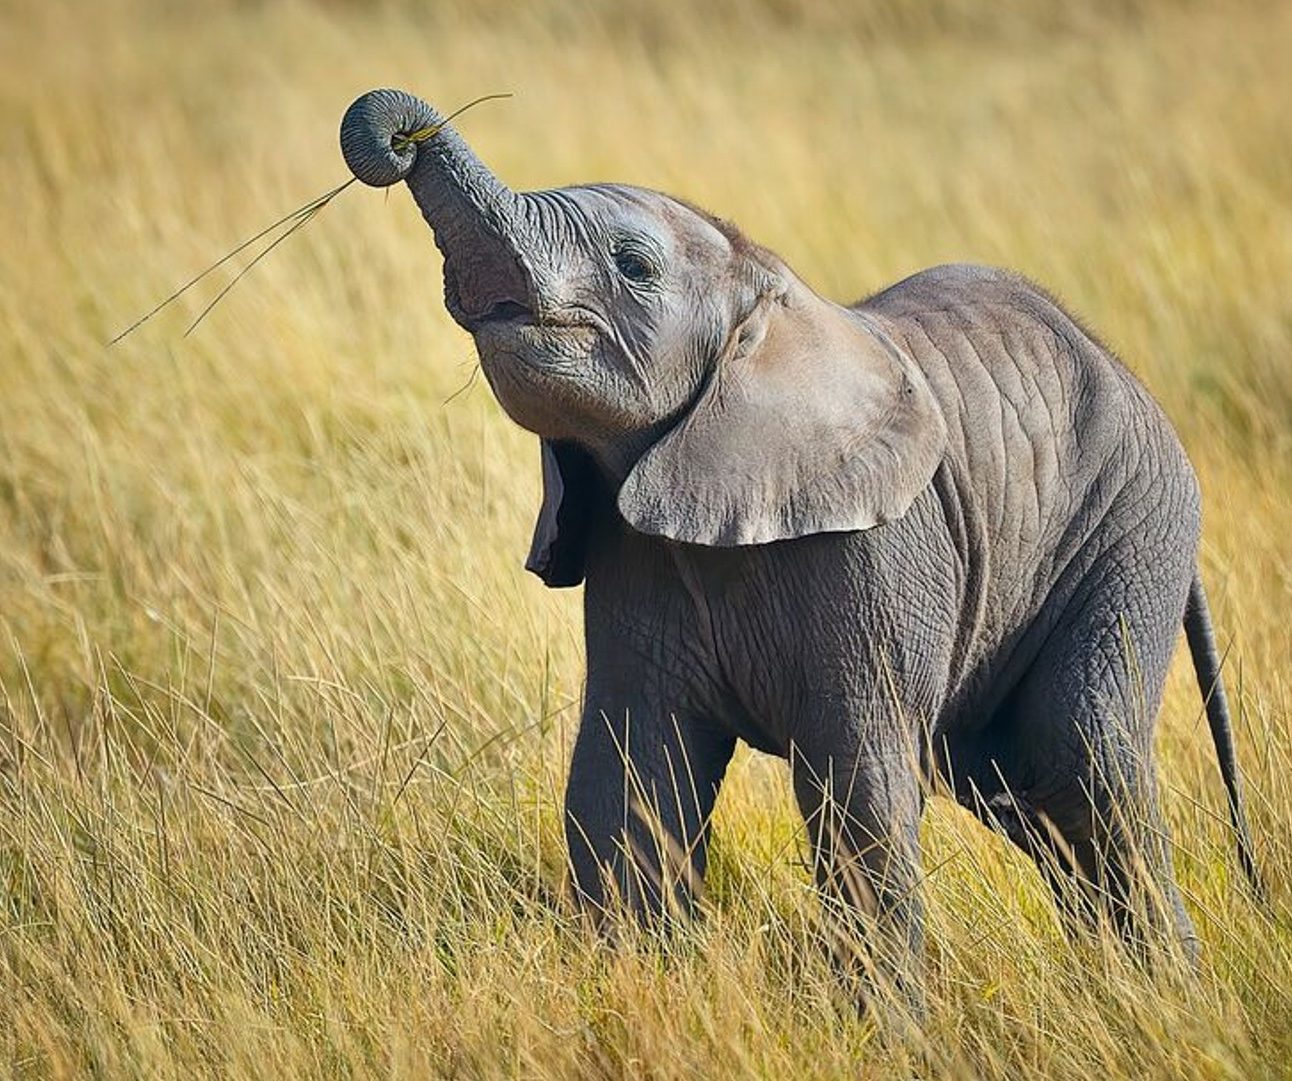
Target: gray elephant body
point(942, 537)
point(1058, 470)
point(874, 659)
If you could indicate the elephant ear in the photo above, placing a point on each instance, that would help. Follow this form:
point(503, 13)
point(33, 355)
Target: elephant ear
point(813, 422)
point(571, 486)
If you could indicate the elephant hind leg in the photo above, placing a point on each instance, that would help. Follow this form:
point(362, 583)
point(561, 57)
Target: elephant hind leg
point(1099, 841)
point(1060, 861)
point(1116, 842)
point(1079, 752)
point(982, 771)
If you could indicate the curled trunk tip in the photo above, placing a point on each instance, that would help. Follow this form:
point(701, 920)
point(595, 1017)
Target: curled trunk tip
point(370, 131)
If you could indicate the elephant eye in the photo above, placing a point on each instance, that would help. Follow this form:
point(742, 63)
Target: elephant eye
point(632, 265)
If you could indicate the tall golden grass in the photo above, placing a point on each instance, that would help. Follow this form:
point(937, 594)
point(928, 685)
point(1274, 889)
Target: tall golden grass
point(283, 724)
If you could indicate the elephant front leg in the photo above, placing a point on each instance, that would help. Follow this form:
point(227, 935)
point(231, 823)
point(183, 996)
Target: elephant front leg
point(862, 814)
point(641, 790)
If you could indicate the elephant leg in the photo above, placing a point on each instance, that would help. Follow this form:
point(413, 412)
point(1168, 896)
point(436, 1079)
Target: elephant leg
point(863, 816)
point(979, 768)
point(637, 807)
point(1077, 749)
point(1114, 839)
point(1012, 814)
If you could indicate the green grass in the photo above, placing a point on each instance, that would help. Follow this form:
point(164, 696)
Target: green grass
point(283, 724)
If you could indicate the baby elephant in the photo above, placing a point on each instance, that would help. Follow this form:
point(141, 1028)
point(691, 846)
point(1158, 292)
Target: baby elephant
point(937, 540)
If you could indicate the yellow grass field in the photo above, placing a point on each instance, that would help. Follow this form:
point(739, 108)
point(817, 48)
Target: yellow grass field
point(284, 724)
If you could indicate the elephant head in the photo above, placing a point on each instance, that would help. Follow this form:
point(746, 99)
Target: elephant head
point(660, 355)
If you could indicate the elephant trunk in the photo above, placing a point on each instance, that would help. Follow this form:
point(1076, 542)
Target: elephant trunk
point(478, 222)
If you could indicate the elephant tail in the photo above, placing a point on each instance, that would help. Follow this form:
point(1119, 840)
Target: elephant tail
point(1206, 664)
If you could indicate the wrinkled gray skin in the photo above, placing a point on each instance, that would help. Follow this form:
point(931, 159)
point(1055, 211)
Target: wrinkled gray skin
point(938, 538)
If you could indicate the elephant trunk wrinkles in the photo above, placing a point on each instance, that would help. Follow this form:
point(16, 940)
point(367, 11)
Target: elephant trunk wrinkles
point(479, 223)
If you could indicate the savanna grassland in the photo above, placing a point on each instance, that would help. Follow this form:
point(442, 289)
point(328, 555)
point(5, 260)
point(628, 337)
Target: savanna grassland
point(283, 724)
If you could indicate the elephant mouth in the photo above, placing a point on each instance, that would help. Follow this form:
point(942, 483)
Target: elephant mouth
point(511, 317)
point(506, 311)
point(498, 302)
point(523, 347)
point(501, 313)
point(542, 342)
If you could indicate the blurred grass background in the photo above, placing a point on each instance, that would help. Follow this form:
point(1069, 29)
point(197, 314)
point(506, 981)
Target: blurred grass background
point(283, 724)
